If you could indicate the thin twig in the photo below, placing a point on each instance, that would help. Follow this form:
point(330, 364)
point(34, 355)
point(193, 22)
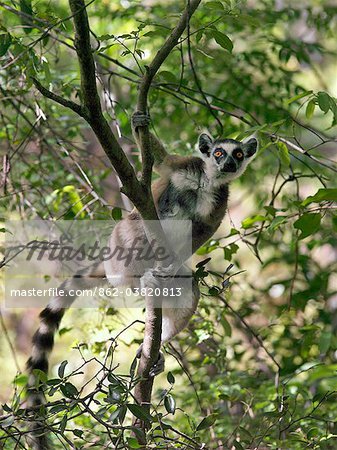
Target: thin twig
point(5, 332)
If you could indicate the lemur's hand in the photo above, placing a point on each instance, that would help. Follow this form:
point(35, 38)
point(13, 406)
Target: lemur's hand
point(139, 119)
point(159, 276)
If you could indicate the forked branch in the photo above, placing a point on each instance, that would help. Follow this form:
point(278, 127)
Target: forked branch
point(146, 81)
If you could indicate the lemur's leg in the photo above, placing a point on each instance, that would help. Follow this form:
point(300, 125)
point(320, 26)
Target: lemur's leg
point(175, 318)
point(139, 119)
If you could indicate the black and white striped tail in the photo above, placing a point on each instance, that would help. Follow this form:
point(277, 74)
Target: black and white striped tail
point(43, 342)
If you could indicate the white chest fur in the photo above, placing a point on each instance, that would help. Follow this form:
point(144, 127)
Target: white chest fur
point(202, 186)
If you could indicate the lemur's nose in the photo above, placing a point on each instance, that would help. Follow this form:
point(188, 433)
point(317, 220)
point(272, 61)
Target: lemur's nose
point(229, 166)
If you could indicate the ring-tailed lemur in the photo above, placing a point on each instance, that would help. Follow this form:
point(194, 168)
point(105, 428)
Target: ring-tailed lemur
point(193, 188)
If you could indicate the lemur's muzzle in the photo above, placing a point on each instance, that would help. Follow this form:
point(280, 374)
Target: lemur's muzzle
point(229, 166)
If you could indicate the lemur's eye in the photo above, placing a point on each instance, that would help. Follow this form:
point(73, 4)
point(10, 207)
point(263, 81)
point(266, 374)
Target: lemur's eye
point(218, 153)
point(239, 155)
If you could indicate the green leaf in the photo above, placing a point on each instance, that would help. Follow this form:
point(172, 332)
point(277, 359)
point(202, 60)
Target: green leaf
point(54, 382)
point(207, 422)
point(106, 37)
point(75, 203)
point(58, 408)
point(63, 424)
point(160, 31)
point(64, 330)
point(237, 445)
point(203, 262)
point(226, 325)
point(323, 101)
point(297, 97)
point(61, 368)
point(140, 53)
point(7, 422)
point(270, 210)
point(170, 404)
point(245, 435)
point(69, 390)
point(223, 40)
point(214, 290)
point(247, 223)
point(308, 223)
point(26, 8)
point(214, 5)
point(320, 196)
point(283, 153)
point(114, 415)
point(200, 273)
point(40, 376)
point(233, 232)
point(230, 250)
point(140, 412)
point(199, 35)
point(167, 76)
point(77, 432)
point(133, 443)
point(21, 380)
point(325, 341)
point(47, 74)
point(310, 109)
point(5, 42)
point(277, 222)
point(313, 432)
point(170, 378)
point(133, 367)
point(139, 433)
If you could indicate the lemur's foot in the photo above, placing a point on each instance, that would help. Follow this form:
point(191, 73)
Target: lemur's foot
point(154, 278)
point(149, 280)
point(158, 367)
point(164, 272)
point(139, 119)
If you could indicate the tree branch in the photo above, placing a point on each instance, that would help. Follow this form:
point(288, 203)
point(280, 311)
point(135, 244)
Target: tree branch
point(58, 99)
point(84, 52)
point(145, 84)
point(92, 110)
point(163, 53)
point(153, 325)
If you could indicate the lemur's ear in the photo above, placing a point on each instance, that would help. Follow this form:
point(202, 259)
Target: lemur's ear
point(205, 144)
point(250, 146)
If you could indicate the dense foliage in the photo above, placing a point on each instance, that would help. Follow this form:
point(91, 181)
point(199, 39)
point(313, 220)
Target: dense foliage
point(257, 366)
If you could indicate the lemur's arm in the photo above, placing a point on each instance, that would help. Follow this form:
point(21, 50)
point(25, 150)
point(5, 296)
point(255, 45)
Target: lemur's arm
point(138, 120)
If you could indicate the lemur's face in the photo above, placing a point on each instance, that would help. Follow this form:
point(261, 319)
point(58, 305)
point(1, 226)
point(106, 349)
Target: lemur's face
point(228, 158)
